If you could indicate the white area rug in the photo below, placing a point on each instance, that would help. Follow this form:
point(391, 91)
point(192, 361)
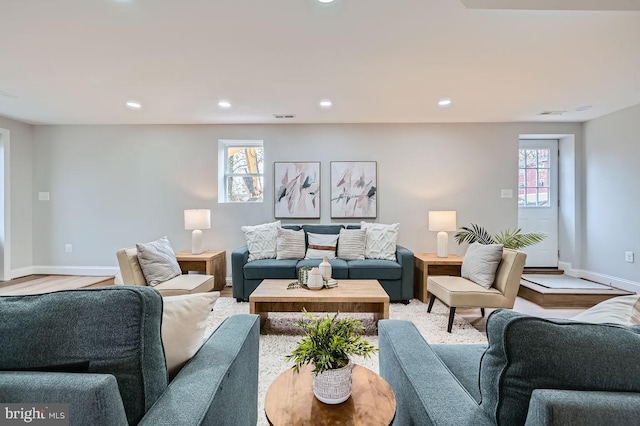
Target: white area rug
point(563, 281)
point(279, 335)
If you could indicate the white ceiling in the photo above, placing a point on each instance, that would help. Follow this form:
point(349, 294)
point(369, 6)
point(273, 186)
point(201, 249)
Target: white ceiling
point(379, 61)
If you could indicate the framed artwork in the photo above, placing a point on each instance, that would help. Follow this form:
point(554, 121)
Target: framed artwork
point(297, 190)
point(354, 189)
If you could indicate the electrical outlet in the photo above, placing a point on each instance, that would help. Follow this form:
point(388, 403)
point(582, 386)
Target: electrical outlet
point(68, 248)
point(628, 256)
point(506, 193)
point(43, 196)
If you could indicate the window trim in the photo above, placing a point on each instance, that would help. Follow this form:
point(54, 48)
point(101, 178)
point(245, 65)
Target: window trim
point(223, 175)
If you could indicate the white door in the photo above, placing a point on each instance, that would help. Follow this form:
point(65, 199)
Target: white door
point(538, 198)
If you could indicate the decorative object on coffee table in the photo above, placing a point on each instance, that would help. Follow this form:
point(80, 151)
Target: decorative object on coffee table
point(328, 344)
point(314, 279)
point(325, 269)
point(354, 189)
point(297, 190)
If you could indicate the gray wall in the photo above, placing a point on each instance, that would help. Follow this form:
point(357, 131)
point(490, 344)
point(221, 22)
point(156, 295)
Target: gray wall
point(21, 192)
point(113, 186)
point(612, 194)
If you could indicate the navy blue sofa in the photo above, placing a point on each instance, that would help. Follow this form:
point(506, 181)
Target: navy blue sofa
point(533, 372)
point(396, 277)
point(100, 351)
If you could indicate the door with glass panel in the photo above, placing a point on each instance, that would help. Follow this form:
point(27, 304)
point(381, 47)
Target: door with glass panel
point(538, 198)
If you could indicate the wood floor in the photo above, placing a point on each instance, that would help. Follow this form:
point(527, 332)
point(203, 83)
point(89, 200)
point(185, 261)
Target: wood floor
point(472, 315)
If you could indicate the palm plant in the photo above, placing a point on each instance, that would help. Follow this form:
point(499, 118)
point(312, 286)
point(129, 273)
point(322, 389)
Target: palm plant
point(513, 239)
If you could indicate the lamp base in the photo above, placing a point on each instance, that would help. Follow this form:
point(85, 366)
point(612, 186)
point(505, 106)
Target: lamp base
point(196, 241)
point(443, 244)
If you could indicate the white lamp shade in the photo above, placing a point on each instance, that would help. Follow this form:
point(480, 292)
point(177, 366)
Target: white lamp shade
point(197, 219)
point(442, 220)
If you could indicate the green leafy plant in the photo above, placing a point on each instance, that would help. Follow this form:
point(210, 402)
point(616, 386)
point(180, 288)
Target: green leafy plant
point(328, 343)
point(512, 239)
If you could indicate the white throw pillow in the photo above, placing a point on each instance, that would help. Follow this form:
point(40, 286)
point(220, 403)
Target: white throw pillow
point(290, 244)
point(321, 245)
point(158, 261)
point(481, 262)
point(623, 310)
point(184, 320)
point(351, 244)
point(381, 240)
point(262, 240)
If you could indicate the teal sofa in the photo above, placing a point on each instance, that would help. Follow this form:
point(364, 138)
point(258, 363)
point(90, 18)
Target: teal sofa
point(100, 351)
point(396, 277)
point(532, 372)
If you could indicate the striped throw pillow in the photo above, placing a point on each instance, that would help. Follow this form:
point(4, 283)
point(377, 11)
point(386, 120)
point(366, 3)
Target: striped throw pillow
point(351, 244)
point(290, 244)
point(321, 245)
point(158, 261)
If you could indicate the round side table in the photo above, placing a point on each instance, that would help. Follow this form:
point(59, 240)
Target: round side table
point(290, 401)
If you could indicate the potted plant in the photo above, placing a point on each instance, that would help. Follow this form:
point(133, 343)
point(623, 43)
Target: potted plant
point(328, 343)
point(510, 239)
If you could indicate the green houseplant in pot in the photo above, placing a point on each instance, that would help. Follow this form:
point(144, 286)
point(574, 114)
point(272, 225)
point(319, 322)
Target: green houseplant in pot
point(328, 343)
point(513, 239)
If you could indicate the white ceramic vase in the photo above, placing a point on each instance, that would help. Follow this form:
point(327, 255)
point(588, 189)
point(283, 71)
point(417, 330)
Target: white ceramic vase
point(333, 386)
point(325, 269)
point(314, 279)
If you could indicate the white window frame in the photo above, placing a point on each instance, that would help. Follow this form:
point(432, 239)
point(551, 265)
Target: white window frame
point(224, 173)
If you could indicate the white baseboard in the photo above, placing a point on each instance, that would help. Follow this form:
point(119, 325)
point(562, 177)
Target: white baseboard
point(609, 280)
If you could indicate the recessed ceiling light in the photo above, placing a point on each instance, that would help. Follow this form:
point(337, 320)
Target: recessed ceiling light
point(326, 104)
point(444, 102)
point(584, 108)
point(224, 104)
point(325, 1)
point(134, 105)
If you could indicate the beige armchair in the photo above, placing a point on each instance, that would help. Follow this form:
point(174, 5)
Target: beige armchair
point(458, 292)
point(182, 284)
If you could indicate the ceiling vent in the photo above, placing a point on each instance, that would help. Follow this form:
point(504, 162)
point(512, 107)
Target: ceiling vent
point(283, 116)
point(552, 112)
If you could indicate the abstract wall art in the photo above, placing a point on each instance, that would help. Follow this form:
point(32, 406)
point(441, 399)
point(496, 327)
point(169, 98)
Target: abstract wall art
point(354, 189)
point(297, 190)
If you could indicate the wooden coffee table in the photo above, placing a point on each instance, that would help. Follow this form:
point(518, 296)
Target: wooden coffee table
point(290, 401)
point(350, 296)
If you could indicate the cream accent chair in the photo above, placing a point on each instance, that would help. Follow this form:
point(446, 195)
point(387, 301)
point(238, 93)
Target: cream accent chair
point(182, 284)
point(458, 292)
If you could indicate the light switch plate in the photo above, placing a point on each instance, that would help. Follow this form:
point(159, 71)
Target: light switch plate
point(506, 193)
point(43, 196)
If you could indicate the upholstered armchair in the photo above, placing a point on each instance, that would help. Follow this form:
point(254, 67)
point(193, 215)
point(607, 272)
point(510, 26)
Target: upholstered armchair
point(458, 292)
point(100, 351)
point(182, 284)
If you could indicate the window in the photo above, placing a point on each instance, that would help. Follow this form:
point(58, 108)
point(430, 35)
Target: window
point(241, 168)
point(533, 177)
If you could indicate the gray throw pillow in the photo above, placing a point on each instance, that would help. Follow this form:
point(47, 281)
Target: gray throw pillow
point(527, 353)
point(481, 262)
point(290, 244)
point(351, 244)
point(158, 261)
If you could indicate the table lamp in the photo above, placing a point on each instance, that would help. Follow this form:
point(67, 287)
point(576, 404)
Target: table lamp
point(196, 220)
point(441, 222)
